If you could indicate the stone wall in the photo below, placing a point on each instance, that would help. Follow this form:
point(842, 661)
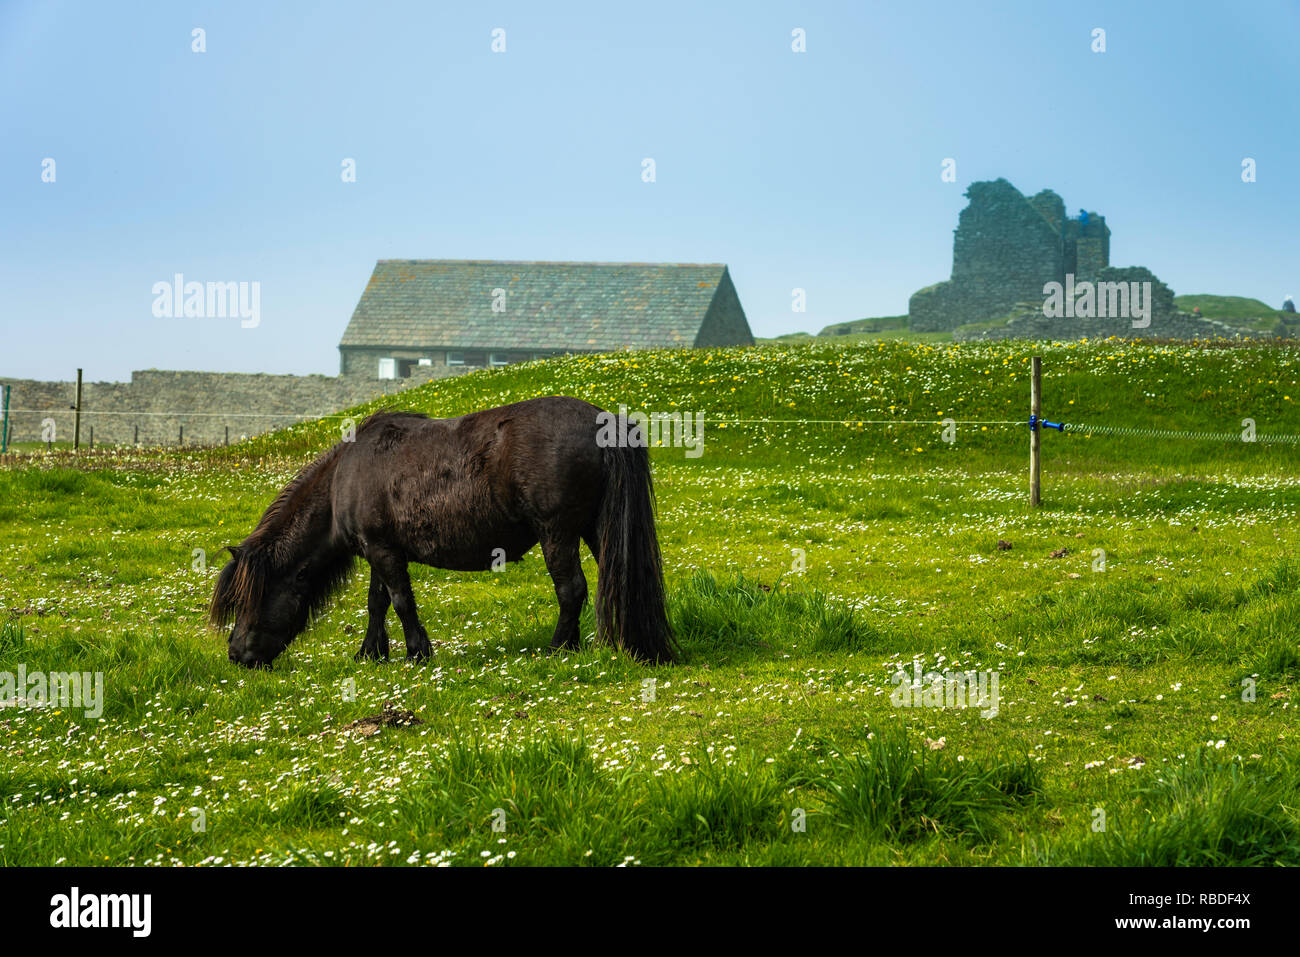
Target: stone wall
point(1050, 206)
point(155, 405)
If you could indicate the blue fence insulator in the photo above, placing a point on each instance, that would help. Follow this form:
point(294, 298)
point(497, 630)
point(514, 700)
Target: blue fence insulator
point(1035, 422)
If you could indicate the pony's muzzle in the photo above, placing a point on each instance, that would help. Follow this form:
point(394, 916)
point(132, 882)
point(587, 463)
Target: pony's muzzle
point(240, 651)
point(248, 659)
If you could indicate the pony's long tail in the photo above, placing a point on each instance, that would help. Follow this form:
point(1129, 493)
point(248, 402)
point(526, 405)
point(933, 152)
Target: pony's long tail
point(630, 576)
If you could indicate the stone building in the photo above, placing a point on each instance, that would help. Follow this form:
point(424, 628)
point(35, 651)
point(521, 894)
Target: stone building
point(1006, 247)
point(452, 315)
point(417, 320)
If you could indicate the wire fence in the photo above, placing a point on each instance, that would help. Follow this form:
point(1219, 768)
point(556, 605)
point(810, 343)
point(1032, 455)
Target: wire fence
point(1245, 436)
point(1121, 431)
point(187, 414)
point(1088, 428)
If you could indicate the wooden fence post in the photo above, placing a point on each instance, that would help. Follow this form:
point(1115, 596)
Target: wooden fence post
point(4, 429)
point(1035, 431)
point(76, 419)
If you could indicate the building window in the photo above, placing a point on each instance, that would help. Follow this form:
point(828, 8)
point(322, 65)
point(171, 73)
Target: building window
point(455, 358)
point(388, 368)
point(426, 362)
point(498, 359)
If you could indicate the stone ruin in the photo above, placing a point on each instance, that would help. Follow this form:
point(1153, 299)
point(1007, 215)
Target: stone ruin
point(1007, 247)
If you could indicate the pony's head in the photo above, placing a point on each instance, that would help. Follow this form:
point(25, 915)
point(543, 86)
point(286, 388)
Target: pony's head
point(284, 572)
point(268, 601)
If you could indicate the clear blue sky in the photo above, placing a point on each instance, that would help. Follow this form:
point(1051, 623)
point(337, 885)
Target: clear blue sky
point(817, 170)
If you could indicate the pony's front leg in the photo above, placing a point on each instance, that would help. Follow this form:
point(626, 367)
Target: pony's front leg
point(375, 645)
point(392, 570)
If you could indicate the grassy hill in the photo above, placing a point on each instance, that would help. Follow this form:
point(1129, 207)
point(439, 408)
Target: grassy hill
point(812, 398)
point(1239, 311)
point(1140, 624)
point(1226, 307)
point(862, 330)
point(858, 326)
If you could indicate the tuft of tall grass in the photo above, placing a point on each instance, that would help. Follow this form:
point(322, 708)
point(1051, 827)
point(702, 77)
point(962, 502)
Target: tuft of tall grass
point(714, 805)
point(899, 794)
point(743, 615)
point(1278, 658)
point(12, 638)
point(316, 805)
point(1210, 812)
point(545, 798)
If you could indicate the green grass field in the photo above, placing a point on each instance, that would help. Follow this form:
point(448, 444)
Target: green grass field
point(1147, 675)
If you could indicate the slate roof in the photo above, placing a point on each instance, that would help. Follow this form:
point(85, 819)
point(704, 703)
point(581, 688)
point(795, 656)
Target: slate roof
point(568, 306)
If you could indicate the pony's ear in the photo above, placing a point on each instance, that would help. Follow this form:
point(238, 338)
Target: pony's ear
point(234, 550)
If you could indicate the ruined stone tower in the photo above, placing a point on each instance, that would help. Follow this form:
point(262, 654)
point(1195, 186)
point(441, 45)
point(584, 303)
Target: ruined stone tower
point(1006, 247)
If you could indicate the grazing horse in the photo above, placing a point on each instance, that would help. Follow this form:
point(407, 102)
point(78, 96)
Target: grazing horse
point(464, 494)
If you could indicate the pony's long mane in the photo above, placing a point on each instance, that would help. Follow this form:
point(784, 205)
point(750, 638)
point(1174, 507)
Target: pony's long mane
point(276, 543)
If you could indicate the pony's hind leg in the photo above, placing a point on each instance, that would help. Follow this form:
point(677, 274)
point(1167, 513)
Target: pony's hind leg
point(593, 545)
point(375, 645)
point(392, 570)
point(565, 565)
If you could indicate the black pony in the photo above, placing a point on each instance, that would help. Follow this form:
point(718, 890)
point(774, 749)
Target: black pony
point(465, 494)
